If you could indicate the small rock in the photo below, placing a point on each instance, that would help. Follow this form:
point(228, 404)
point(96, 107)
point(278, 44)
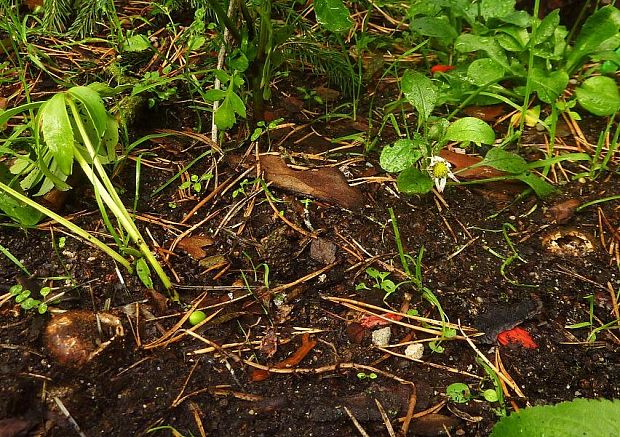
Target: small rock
point(381, 337)
point(415, 351)
point(323, 251)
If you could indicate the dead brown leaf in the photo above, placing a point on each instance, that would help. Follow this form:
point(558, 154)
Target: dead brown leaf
point(562, 212)
point(486, 113)
point(193, 245)
point(325, 183)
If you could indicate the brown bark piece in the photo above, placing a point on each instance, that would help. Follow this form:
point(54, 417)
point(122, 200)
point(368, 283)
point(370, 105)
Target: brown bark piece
point(327, 183)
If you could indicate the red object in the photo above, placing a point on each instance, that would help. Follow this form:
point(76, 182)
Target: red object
point(441, 68)
point(517, 336)
point(372, 321)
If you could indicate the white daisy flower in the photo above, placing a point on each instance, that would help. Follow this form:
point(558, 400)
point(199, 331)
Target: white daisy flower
point(439, 169)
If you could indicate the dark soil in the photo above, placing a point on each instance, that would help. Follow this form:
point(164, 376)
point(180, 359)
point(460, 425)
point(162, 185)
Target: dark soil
point(202, 384)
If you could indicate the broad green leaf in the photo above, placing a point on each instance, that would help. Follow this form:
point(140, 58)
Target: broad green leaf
point(93, 105)
point(213, 95)
point(420, 92)
point(237, 104)
point(437, 27)
point(195, 42)
point(548, 86)
point(466, 43)
point(599, 27)
point(599, 95)
point(496, 8)
point(576, 418)
point(400, 155)
point(518, 18)
point(483, 71)
point(414, 181)
point(225, 116)
point(144, 273)
point(546, 28)
point(470, 129)
point(505, 161)
point(57, 132)
point(540, 187)
point(512, 38)
point(333, 15)
point(21, 213)
point(136, 43)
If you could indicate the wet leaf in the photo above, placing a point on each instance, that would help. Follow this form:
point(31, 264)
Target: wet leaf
point(136, 43)
point(420, 92)
point(548, 85)
point(57, 132)
point(599, 95)
point(546, 28)
point(579, 417)
point(437, 27)
point(414, 181)
point(599, 27)
point(401, 155)
point(505, 161)
point(94, 107)
point(496, 8)
point(470, 129)
point(483, 71)
point(333, 15)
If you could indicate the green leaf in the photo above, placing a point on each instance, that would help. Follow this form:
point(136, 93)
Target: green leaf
point(599, 95)
point(466, 43)
point(496, 8)
point(437, 27)
point(144, 273)
point(512, 38)
point(458, 392)
point(505, 161)
point(57, 132)
point(420, 92)
point(333, 15)
point(483, 71)
point(470, 129)
point(540, 187)
point(599, 27)
point(237, 104)
point(546, 28)
point(400, 155)
point(577, 418)
point(136, 43)
point(214, 95)
point(225, 116)
point(94, 107)
point(414, 181)
point(548, 86)
point(21, 213)
point(110, 137)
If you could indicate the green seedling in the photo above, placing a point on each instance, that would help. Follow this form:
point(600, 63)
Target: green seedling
point(590, 323)
point(264, 128)
point(196, 182)
point(495, 394)
point(25, 298)
point(363, 375)
point(507, 260)
point(459, 392)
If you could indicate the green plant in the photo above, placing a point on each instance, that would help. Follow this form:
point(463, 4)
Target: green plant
point(590, 323)
point(74, 126)
point(363, 375)
point(196, 317)
point(459, 392)
point(25, 298)
point(579, 417)
point(195, 182)
point(507, 260)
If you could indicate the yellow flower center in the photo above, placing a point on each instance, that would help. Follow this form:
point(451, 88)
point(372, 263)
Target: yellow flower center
point(440, 170)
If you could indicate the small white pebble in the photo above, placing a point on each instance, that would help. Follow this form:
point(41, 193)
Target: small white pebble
point(415, 351)
point(381, 337)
